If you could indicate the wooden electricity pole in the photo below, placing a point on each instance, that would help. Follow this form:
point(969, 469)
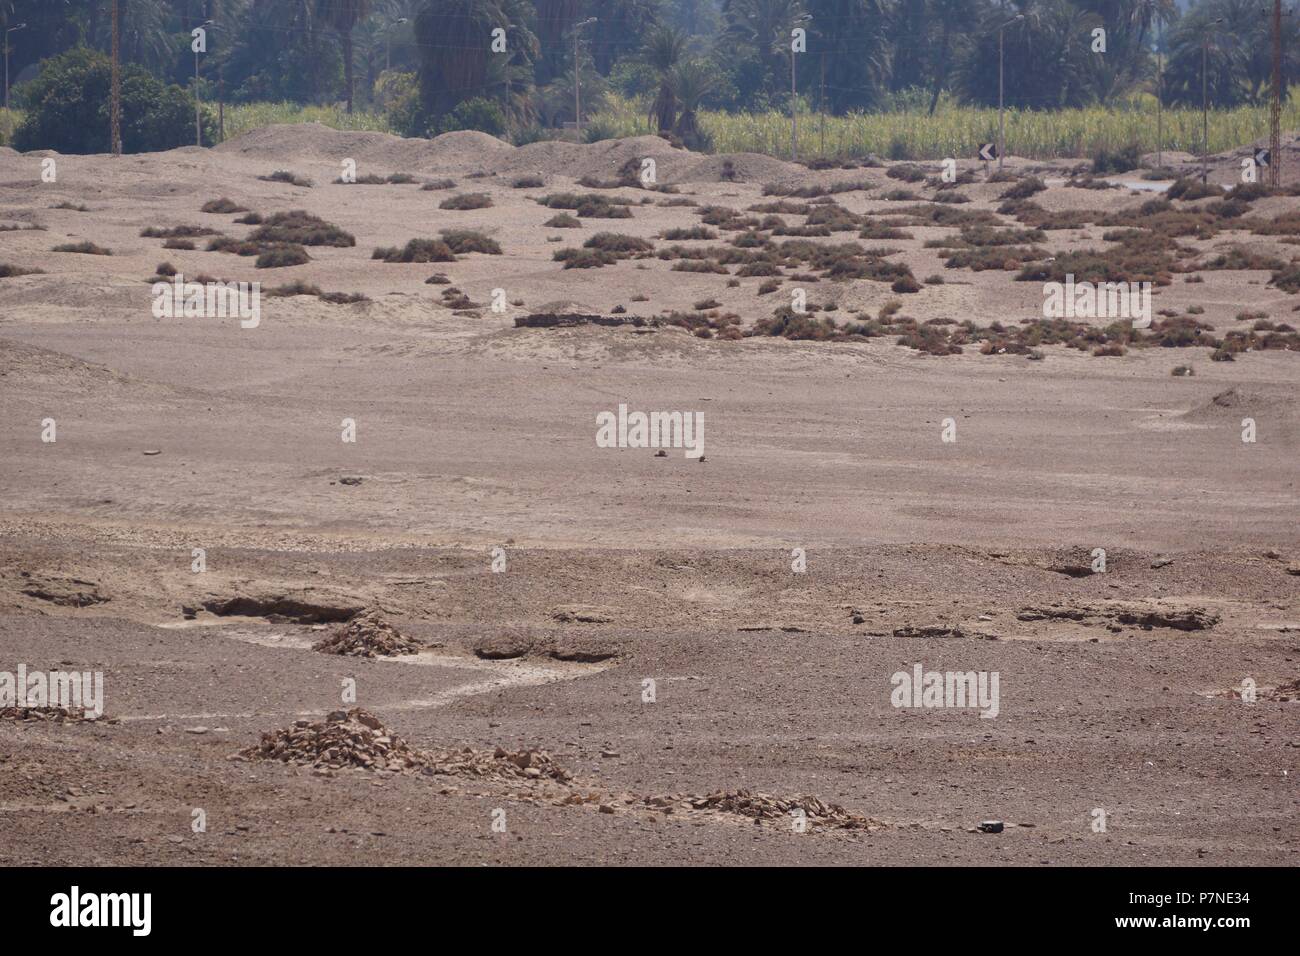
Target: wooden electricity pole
point(115, 108)
point(1275, 109)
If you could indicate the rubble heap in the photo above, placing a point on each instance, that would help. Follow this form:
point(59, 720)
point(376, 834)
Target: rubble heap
point(762, 806)
point(56, 715)
point(1286, 691)
point(367, 635)
point(357, 738)
point(353, 738)
point(499, 764)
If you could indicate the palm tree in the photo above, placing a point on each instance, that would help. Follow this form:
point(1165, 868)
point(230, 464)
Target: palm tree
point(950, 15)
point(343, 16)
point(455, 37)
point(692, 80)
point(764, 26)
point(664, 49)
point(850, 39)
point(144, 37)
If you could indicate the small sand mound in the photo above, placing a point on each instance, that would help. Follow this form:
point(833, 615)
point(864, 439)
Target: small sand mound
point(1236, 403)
point(367, 635)
point(762, 806)
point(284, 143)
point(355, 738)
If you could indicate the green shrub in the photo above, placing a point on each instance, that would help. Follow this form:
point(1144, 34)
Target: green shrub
point(67, 108)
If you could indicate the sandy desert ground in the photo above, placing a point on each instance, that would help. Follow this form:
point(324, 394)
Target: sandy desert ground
point(624, 571)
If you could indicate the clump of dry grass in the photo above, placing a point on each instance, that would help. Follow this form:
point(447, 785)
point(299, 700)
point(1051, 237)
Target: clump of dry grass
point(85, 247)
point(222, 206)
point(1024, 188)
point(618, 244)
point(176, 232)
point(438, 185)
point(563, 221)
point(584, 258)
point(463, 241)
point(302, 228)
point(587, 205)
point(694, 232)
point(281, 255)
point(466, 201)
point(285, 176)
point(416, 250)
point(9, 271)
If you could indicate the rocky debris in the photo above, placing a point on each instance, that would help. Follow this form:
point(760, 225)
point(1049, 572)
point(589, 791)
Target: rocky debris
point(762, 806)
point(305, 606)
point(1146, 616)
point(1293, 567)
point(351, 480)
point(991, 826)
point(367, 635)
point(1162, 562)
point(1052, 613)
point(934, 630)
point(1287, 691)
point(357, 738)
point(1181, 619)
point(581, 614)
point(353, 738)
point(500, 764)
point(503, 646)
point(63, 590)
point(56, 715)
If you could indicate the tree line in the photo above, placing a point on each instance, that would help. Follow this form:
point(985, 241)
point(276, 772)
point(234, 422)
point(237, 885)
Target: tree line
point(511, 66)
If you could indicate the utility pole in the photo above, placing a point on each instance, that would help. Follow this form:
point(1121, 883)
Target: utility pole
point(198, 114)
point(1002, 123)
point(1275, 110)
point(12, 29)
point(794, 95)
point(794, 113)
point(821, 105)
point(1160, 97)
point(115, 109)
point(577, 78)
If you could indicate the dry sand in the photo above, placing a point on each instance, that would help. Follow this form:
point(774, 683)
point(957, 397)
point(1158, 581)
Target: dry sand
point(623, 567)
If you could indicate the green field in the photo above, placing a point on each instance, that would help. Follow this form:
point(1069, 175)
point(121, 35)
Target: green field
point(956, 131)
point(953, 131)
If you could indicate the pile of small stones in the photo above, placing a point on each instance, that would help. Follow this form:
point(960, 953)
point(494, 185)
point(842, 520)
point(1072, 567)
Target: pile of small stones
point(367, 635)
point(352, 738)
point(357, 738)
point(762, 806)
point(58, 715)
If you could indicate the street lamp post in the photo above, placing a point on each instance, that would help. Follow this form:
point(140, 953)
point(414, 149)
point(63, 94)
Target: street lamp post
point(577, 77)
point(1205, 103)
point(1002, 125)
point(7, 32)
